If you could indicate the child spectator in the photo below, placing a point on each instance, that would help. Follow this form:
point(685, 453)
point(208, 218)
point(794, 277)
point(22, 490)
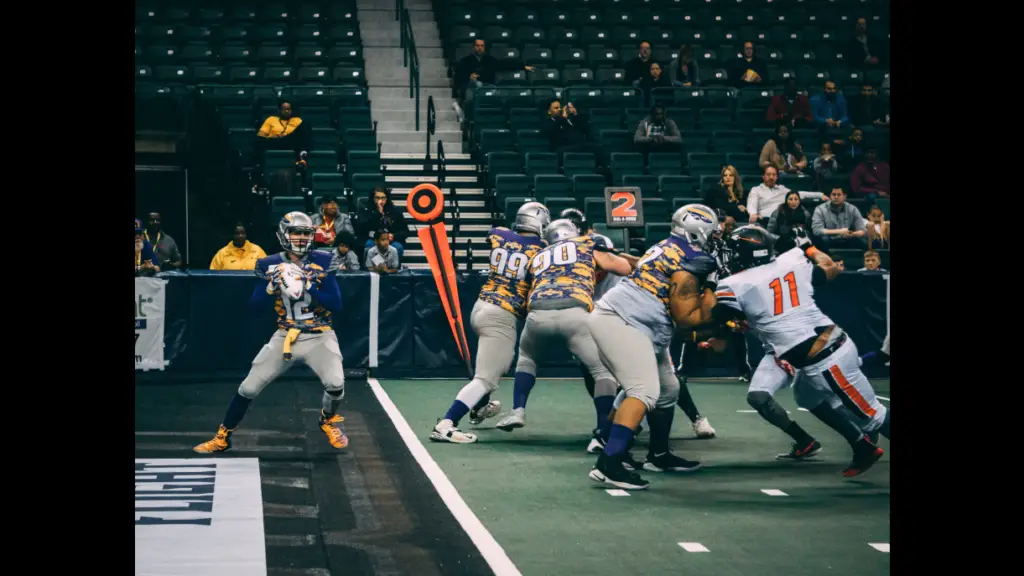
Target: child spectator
point(343, 258)
point(825, 165)
point(872, 262)
point(382, 257)
point(878, 229)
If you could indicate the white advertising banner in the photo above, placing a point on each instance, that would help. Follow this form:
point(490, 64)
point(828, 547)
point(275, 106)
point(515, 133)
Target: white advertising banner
point(149, 323)
point(199, 517)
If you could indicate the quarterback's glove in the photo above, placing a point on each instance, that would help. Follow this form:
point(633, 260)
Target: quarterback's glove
point(314, 276)
point(273, 279)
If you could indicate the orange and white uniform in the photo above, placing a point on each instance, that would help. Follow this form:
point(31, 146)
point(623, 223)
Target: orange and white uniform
point(777, 300)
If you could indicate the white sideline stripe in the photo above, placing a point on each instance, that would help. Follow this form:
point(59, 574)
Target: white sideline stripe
point(693, 547)
point(882, 398)
point(617, 492)
point(881, 547)
point(374, 305)
point(492, 552)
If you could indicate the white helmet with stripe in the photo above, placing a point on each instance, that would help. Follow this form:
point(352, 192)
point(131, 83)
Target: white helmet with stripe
point(695, 223)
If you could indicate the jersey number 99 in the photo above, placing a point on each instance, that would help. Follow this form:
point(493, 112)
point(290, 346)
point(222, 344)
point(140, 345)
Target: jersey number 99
point(563, 254)
point(510, 264)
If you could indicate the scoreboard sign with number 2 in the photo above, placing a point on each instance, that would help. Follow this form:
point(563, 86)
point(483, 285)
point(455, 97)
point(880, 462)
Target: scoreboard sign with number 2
point(623, 207)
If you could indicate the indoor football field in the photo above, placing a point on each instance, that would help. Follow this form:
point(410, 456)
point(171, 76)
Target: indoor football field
point(513, 503)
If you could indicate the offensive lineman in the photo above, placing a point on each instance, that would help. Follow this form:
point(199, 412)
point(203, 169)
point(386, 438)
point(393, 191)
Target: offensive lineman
point(304, 332)
point(672, 287)
point(561, 297)
point(776, 298)
point(501, 303)
point(604, 406)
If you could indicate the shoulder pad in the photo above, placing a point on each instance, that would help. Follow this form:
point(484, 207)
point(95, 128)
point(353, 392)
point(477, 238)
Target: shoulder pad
point(700, 265)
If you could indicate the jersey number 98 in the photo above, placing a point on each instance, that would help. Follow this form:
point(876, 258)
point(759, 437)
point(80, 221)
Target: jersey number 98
point(510, 264)
point(563, 254)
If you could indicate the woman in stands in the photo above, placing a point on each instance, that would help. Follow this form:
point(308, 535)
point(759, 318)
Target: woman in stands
point(789, 216)
point(685, 70)
point(784, 153)
point(381, 214)
point(727, 197)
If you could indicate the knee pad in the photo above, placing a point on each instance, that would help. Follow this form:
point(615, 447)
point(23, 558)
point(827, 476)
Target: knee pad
point(647, 394)
point(604, 387)
point(759, 400)
point(526, 364)
point(335, 387)
point(250, 389)
point(669, 393)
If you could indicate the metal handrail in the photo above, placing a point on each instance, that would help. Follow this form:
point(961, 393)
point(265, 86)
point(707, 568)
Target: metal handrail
point(410, 59)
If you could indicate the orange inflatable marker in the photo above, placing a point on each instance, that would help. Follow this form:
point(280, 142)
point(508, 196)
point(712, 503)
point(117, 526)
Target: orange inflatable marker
point(426, 205)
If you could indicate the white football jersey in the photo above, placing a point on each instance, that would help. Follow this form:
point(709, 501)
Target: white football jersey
point(777, 300)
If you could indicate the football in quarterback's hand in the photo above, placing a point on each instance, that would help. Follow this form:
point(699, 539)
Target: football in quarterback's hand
point(292, 281)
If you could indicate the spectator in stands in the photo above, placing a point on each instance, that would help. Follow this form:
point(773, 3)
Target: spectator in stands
point(685, 70)
point(284, 131)
point(566, 129)
point(789, 216)
point(849, 152)
point(838, 224)
point(825, 165)
point(867, 108)
point(829, 108)
point(381, 257)
point(870, 179)
point(782, 152)
point(765, 198)
point(748, 69)
point(343, 257)
point(239, 254)
point(727, 196)
point(329, 222)
point(146, 261)
point(640, 66)
point(382, 214)
point(790, 108)
point(862, 49)
point(878, 229)
point(872, 262)
point(655, 133)
point(653, 79)
point(477, 70)
point(165, 247)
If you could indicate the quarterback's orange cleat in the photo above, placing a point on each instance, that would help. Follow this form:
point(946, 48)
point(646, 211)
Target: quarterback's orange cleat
point(220, 442)
point(331, 428)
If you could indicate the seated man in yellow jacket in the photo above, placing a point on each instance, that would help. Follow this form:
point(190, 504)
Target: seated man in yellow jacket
point(239, 254)
point(282, 132)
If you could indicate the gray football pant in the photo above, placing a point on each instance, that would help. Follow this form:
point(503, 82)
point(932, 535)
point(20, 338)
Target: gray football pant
point(319, 351)
point(645, 373)
point(569, 325)
point(495, 329)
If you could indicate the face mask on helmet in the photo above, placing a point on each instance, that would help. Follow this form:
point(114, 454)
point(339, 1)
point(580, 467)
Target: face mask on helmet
point(300, 240)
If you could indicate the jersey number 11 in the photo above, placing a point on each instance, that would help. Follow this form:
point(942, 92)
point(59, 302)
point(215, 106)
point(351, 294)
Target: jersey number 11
point(776, 286)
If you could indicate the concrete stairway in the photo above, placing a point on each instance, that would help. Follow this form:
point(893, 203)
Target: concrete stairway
point(388, 79)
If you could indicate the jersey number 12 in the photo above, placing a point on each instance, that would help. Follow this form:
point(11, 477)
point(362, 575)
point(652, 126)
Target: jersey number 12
point(776, 286)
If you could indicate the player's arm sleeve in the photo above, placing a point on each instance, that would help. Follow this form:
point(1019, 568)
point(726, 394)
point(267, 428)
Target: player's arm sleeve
point(260, 299)
point(328, 293)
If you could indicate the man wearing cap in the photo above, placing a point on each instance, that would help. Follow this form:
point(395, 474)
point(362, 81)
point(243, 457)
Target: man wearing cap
point(330, 221)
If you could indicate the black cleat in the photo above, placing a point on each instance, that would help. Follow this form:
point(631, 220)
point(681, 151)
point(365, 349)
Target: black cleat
point(801, 452)
point(609, 470)
point(669, 462)
point(630, 463)
point(864, 456)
